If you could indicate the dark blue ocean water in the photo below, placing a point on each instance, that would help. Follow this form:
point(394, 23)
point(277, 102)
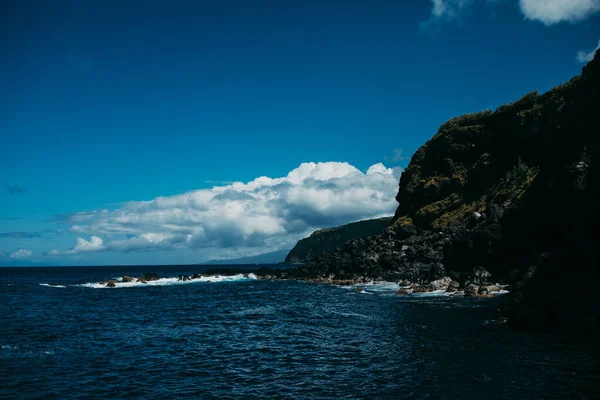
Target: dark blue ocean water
point(268, 339)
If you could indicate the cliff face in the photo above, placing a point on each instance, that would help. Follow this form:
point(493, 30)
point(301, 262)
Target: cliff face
point(515, 191)
point(533, 167)
point(326, 240)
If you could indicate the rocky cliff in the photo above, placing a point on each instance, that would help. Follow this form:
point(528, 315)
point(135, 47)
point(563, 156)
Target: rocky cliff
point(326, 240)
point(513, 192)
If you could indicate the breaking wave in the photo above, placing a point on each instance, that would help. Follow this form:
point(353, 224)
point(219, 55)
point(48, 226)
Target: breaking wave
point(172, 281)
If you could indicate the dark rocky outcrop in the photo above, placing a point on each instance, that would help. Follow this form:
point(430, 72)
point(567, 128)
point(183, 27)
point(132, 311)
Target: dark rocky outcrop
point(326, 240)
point(506, 196)
point(148, 276)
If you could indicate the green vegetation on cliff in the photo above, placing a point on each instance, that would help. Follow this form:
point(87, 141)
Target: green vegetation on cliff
point(485, 158)
point(326, 240)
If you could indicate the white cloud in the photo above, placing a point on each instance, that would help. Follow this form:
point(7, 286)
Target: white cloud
point(266, 212)
point(82, 245)
point(21, 254)
point(548, 12)
point(444, 10)
point(587, 56)
point(554, 11)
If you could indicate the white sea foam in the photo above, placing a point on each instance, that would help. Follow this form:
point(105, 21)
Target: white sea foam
point(434, 293)
point(49, 285)
point(172, 281)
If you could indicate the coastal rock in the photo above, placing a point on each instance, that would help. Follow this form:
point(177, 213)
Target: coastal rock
point(127, 279)
point(403, 292)
point(440, 284)
point(453, 285)
point(111, 283)
point(149, 276)
point(481, 276)
point(141, 280)
point(488, 290)
point(437, 272)
point(372, 258)
point(471, 290)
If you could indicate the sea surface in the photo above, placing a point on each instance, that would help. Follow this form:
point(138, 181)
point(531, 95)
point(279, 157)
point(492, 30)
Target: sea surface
point(245, 338)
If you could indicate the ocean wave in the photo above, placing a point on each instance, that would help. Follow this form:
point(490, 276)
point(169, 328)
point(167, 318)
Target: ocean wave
point(434, 293)
point(52, 285)
point(378, 286)
point(172, 281)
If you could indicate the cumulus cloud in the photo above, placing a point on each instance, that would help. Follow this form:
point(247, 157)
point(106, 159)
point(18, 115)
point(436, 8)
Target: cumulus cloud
point(554, 11)
point(266, 212)
point(82, 246)
point(21, 254)
point(587, 56)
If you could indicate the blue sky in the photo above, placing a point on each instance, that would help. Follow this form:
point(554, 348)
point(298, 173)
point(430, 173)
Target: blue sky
point(105, 106)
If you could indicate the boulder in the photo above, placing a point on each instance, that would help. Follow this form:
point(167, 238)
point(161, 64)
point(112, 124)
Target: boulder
point(141, 280)
point(488, 289)
point(150, 276)
point(453, 285)
point(403, 292)
point(405, 282)
point(471, 290)
point(127, 279)
point(437, 272)
point(372, 258)
point(111, 283)
point(480, 275)
point(440, 284)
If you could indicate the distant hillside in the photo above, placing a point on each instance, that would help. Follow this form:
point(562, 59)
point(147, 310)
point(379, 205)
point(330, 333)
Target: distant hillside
point(326, 240)
point(274, 257)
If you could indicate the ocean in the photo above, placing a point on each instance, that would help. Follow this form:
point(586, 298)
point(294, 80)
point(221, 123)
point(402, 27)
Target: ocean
point(240, 337)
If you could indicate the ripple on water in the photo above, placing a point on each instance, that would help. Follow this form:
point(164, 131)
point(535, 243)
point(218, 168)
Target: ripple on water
point(274, 339)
